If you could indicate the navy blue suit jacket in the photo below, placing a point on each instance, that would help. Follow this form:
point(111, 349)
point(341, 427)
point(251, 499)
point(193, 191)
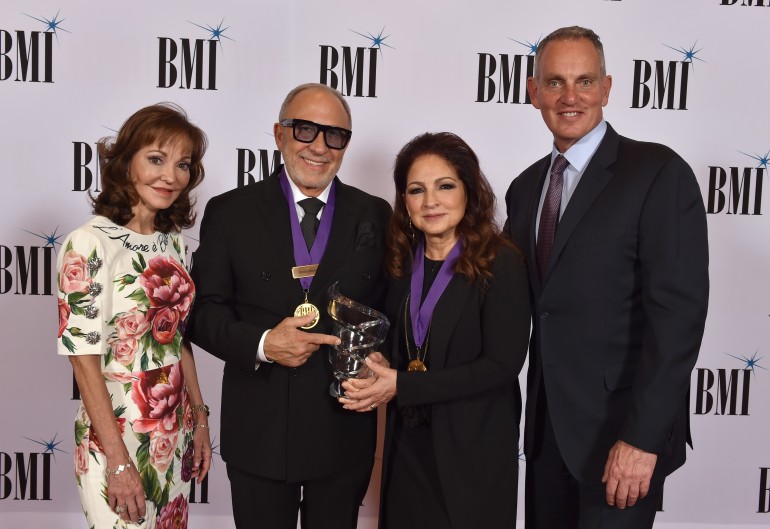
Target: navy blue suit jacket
point(619, 316)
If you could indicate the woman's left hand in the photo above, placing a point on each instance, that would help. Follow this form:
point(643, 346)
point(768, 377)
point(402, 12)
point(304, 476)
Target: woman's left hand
point(367, 399)
point(201, 452)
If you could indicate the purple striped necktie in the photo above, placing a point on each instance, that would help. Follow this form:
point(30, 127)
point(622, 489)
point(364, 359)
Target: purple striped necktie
point(549, 216)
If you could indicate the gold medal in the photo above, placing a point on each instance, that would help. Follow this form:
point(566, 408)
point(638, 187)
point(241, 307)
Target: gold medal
point(416, 365)
point(303, 309)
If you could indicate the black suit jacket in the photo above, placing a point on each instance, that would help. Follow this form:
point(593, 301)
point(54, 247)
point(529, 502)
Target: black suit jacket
point(620, 314)
point(478, 343)
point(278, 422)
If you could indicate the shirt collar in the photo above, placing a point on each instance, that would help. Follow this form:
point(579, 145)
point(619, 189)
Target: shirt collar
point(583, 150)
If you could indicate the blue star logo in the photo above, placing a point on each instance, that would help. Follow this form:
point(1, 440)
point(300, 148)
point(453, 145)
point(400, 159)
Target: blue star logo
point(527, 44)
point(752, 362)
point(688, 55)
point(52, 24)
point(762, 161)
point(378, 41)
point(50, 240)
point(50, 446)
point(217, 33)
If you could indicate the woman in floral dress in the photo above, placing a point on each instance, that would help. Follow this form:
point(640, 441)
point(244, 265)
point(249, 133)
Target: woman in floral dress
point(141, 432)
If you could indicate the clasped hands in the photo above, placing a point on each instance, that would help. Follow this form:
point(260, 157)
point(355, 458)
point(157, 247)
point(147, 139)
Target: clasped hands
point(365, 394)
point(286, 344)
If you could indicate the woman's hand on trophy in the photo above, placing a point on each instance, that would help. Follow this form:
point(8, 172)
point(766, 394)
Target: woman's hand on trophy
point(378, 357)
point(365, 395)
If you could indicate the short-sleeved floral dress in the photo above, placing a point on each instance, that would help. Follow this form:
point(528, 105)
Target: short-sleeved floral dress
point(126, 297)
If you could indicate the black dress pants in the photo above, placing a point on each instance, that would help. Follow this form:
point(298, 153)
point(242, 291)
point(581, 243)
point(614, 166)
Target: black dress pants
point(328, 502)
point(556, 500)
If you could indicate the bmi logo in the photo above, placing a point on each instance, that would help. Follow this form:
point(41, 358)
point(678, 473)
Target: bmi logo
point(759, 3)
point(353, 70)
point(726, 391)
point(764, 490)
point(27, 475)
point(503, 78)
point(662, 84)
point(737, 190)
point(190, 63)
point(28, 270)
point(85, 166)
point(256, 166)
point(28, 55)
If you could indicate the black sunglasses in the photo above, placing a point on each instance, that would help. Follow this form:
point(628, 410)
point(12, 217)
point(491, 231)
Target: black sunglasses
point(307, 131)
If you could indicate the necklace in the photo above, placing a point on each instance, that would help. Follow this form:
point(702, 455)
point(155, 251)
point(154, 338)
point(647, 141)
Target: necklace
point(416, 363)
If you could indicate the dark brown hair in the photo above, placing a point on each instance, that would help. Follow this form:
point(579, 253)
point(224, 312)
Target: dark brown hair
point(156, 124)
point(478, 229)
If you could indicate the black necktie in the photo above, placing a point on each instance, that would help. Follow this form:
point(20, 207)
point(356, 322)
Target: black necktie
point(549, 216)
point(310, 221)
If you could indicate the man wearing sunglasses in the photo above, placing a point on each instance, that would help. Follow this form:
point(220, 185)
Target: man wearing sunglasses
point(268, 253)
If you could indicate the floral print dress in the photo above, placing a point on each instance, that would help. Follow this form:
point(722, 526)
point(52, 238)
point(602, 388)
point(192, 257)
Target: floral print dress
point(126, 297)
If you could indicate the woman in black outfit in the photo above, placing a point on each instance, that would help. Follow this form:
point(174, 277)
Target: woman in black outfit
point(460, 318)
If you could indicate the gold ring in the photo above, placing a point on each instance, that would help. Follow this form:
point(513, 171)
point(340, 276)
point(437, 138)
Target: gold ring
point(120, 509)
point(373, 406)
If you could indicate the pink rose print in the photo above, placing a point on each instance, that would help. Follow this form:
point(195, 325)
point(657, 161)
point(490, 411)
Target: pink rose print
point(74, 276)
point(123, 351)
point(81, 457)
point(131, 324)
point(162, 449)
point(158, 394)
point(173, 515)
point(167, 284)
point(164, 324)
point(64, 316)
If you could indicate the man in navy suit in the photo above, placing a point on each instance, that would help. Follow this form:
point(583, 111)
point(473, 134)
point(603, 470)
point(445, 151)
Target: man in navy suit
point(265, 261)
point(614, 231)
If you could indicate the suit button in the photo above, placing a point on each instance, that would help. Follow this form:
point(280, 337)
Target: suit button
point(544, 316)
point(294, 372)
point(367, 276)
point(265, 276)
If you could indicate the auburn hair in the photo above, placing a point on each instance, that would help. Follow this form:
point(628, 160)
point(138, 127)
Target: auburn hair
point(158, 124)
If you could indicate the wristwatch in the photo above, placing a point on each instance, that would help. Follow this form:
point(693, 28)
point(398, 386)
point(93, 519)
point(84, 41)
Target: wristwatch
point(200, 407)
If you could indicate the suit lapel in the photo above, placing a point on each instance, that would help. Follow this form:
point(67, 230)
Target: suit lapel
point(534, 202)
point(275, 214)
point(445, 318)
point(592, 183)
point(339, 246)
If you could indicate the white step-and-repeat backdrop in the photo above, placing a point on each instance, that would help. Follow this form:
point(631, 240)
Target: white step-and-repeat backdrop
point(693, 74)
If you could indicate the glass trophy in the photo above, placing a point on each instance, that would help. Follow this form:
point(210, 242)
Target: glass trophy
point(361, 329)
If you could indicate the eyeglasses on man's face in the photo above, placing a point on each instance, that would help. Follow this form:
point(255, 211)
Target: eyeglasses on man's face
point(306, 132)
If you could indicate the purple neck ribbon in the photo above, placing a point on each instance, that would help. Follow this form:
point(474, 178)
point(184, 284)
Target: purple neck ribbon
point(422, 314)
point(303, 257)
